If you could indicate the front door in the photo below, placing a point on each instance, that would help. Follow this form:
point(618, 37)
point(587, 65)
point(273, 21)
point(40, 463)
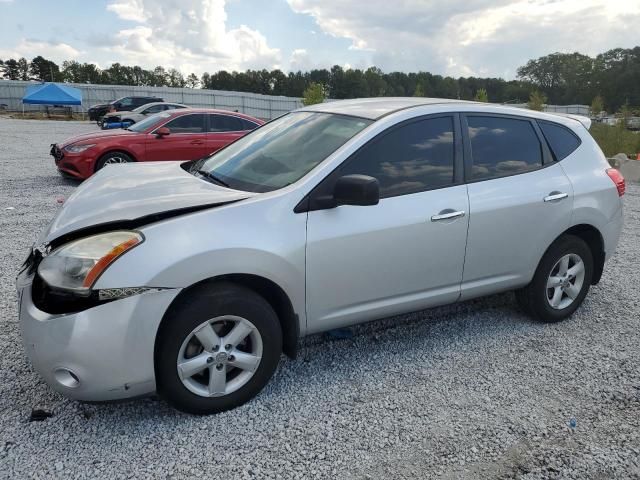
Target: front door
point(407, 252)
point(187, 140)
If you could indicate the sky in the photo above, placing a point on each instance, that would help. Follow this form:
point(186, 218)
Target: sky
point(485, 38)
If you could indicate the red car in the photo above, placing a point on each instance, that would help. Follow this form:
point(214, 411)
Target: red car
point(185, 134)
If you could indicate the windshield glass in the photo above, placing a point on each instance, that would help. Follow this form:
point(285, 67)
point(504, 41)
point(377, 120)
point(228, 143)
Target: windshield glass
point(149, 122)
point(281, 152)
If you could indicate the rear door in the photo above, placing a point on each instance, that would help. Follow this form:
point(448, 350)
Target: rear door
point(520, 200)
point(187, 140)
point(223, 129)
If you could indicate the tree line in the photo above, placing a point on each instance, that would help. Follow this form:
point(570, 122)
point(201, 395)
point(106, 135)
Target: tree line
point(610, 80)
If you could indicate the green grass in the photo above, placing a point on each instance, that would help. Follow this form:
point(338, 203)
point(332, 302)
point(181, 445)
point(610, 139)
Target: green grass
point(613, 140)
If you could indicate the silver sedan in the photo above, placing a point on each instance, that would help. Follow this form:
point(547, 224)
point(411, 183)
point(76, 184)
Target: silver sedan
point(137, 114)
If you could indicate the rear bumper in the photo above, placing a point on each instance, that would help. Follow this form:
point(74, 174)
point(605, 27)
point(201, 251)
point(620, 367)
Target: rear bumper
point(108, 349)
point(611, 233)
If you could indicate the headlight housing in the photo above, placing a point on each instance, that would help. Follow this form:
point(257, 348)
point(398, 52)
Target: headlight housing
point(79, 148)
point(77, 265)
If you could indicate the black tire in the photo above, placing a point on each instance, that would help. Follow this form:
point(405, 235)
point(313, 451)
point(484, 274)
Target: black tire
point(111, 155)
point(205, 303)
point(534, 298)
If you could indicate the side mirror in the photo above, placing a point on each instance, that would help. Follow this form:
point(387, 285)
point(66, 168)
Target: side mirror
point(163, 132)
point(356, 190)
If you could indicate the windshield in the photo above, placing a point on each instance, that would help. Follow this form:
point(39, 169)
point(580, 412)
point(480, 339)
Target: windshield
point(149, 122)
point(281, 152)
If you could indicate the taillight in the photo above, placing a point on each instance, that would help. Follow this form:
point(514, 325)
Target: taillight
point(618, 179)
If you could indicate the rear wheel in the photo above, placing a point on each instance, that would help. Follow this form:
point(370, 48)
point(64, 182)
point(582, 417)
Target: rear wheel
point(217, 349)
point(112, 158)
point(561, 281)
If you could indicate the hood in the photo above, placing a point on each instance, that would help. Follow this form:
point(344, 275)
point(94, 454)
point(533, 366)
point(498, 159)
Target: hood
point(124, 194)
point(86, 137)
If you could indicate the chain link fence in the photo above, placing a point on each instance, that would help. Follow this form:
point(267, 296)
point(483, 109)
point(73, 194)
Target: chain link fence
point(265, 107)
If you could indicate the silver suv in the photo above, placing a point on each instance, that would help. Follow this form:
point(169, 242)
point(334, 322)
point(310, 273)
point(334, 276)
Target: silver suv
point(190, 279)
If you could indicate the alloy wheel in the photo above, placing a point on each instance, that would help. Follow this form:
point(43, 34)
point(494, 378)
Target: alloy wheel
point(565, 281)
point(219, 356)
point(115, 159)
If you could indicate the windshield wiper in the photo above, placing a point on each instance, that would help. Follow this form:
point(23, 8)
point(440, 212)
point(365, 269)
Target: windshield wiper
point(211, 176)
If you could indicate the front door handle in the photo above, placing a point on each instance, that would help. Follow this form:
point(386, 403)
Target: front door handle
point(447, 215)
point(197, 142)
point(553, 196)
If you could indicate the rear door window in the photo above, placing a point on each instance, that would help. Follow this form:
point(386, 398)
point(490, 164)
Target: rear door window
point(247, 125)
point(561, 140)
point(502, 146)
point(224, 123)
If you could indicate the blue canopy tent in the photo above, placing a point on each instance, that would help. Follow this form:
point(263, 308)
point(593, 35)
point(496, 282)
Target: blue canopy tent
point(51, 94)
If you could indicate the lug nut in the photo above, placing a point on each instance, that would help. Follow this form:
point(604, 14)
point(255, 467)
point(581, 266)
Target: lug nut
point(231, 358)
point(210, 360)
point(219, 366)
point(228, 346)
point(216, 348)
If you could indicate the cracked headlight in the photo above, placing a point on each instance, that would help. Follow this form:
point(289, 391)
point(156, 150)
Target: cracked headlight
point(77, 265)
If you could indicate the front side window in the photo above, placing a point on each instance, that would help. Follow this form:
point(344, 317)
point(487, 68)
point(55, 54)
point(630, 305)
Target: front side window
point(411, 158)
point(560, 139)
point(149, 122)
point(502, 146)
point(187, 124)
point(125, 102)
point(154, 109)
point(281, 152)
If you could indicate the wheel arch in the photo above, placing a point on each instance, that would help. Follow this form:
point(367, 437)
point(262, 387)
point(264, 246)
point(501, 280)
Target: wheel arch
point(593, 238)
point(269, 290)
point(114, 150)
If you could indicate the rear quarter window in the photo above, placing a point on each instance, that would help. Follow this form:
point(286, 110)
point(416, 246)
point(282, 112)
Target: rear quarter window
point(561, 140)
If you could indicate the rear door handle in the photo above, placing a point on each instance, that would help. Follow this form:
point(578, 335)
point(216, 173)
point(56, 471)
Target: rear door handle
point(197, 142)
point(553, 196)
point(447, 215)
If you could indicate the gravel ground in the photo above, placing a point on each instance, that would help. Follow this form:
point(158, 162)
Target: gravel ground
point(475, 390)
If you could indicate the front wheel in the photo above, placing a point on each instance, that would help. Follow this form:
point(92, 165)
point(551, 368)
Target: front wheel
point(113, 158)
point(561, 281)
point(217, 349)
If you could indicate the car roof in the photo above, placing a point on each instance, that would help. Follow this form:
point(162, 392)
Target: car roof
point(374, 108)
point(147, 105)
point(190, 110)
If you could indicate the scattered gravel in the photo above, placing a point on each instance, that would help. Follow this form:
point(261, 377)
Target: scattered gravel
point(475, 390)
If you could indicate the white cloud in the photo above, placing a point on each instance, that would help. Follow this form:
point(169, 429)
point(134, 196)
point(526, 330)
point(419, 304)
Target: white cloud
point(300, 60)
point(190, 35)
point(58, 52)
point(474, 37)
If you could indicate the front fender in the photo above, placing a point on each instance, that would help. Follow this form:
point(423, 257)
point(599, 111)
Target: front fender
point(185, 250)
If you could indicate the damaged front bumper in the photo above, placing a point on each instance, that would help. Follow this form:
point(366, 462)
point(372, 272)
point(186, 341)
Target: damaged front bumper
point(99, 354)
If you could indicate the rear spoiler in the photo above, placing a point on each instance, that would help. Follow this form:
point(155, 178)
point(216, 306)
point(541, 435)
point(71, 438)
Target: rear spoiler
point(585, 121)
